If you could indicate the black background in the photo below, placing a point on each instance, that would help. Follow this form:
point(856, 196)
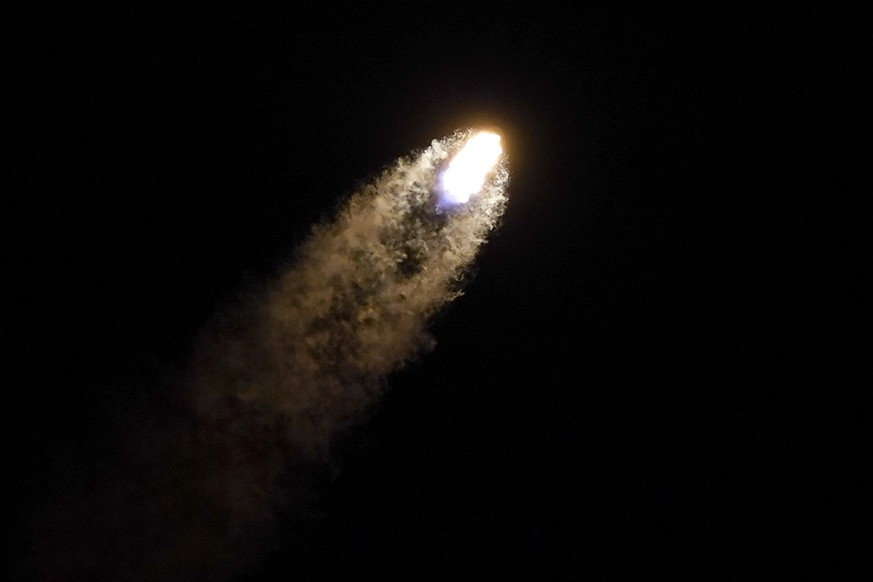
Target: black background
point(648, 370)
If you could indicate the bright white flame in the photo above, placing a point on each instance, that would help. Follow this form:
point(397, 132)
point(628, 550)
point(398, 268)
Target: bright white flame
point(467, 170)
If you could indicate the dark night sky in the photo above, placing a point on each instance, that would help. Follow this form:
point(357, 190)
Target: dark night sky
point(649, 367)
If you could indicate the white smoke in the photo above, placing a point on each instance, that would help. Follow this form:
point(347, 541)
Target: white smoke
point(275, 380)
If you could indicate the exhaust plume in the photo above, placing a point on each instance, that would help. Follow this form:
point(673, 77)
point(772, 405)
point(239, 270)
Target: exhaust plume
point(275, 380)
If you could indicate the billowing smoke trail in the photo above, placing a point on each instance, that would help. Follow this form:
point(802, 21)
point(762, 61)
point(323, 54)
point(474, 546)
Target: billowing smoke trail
point(354, 306)
point(275, 380)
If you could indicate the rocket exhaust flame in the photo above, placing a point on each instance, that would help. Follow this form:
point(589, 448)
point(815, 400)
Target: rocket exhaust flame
point(468, 169)
point(275, 380)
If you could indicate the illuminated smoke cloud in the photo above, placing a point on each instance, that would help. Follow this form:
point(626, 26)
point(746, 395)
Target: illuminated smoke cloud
point(276, 379)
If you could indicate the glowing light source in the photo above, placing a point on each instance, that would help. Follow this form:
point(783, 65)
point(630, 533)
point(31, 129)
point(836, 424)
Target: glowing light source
point(467, 171)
